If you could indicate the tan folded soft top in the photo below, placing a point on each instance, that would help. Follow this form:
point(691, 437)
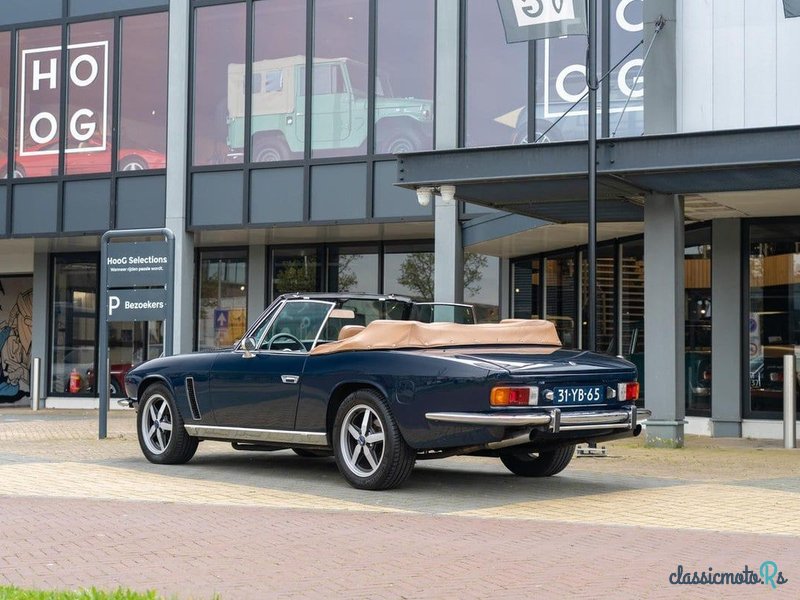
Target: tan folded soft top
point(391, 335)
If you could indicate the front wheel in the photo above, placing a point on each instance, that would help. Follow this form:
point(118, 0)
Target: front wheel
point(370, 452)
point(539, 464)
point(162, 436)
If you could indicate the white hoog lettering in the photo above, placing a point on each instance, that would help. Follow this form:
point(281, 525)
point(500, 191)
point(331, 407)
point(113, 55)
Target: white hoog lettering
point(623, 21)
point(51, 75)
point(50, 136)
point(622, 78)
point(87, 128)
point(73, 70)
point(561, 90)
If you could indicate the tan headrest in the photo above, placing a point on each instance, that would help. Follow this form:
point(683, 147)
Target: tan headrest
point(349, 331)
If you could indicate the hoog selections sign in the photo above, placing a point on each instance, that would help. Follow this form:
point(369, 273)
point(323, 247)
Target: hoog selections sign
point(87, 77)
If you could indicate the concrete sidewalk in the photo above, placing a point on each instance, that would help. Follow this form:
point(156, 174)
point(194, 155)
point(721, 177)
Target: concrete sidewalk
point(77, 511)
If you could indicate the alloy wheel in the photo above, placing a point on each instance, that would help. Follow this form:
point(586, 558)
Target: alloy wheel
point(156, 424)
point(362, 440)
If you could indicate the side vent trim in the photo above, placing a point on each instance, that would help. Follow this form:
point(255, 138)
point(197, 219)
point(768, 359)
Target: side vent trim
point(192, 397)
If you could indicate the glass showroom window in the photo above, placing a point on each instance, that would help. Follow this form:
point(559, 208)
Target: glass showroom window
point(408, 270)
point(339, 79)
point(774, 314)
point(561, 305)
point(404, 79)
point(278, 103)
point(5, 86)
point(222, 302)
point(627, 24)
point(218, 86)
point(38, 105)
point(143, 93)
point(74, 325)
point(525, 293)
point(296, 270)
point(482, 286)
point(605, 294)
point(353, 269)
point(89, 97)
point(496, 80)
point(632, 273)
point(697, 269)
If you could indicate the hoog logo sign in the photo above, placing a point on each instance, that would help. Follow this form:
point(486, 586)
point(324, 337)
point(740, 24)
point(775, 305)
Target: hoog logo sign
point(87, 76)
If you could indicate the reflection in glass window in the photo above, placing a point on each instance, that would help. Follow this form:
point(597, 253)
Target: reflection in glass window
point(496, 80)
point(218, 86)
point(562, 308)
point(697, 269)
point(222, 302)
point(296, 270)
point(38, 102)
point(5, 50)
point(525, 297)
point(143, 93)
point(482, 286)
point(74, 326)
point(89, 97)
point(774, 314)
point(404, 80)
point(353, 269)
point(632, 273)
point(129, 345)
point(409, 272)
point(296, 326)
point(278, 109)
point(339, 102)
point(605, 293)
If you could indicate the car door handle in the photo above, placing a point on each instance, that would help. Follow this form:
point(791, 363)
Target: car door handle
point(290, 378)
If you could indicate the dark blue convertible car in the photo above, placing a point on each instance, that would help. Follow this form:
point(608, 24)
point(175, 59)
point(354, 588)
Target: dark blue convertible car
point(310, 376)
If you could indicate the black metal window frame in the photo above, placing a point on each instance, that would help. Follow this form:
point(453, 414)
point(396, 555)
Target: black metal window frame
point(307, 162)
point(114, 173)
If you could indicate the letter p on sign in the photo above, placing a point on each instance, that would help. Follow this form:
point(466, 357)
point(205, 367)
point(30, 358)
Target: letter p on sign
point(113, 304)
point(541, 12)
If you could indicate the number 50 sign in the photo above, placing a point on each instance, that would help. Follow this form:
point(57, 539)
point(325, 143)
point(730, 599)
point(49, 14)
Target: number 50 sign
point(87, 77)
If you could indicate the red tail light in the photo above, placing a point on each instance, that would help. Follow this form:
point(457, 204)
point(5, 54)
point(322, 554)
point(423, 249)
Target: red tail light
point(628, 391)
point(511, 396)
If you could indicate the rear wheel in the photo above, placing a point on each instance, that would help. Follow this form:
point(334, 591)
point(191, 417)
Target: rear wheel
point(162, 436)
point(539, 464)
point(370, 452)
point(269, 148)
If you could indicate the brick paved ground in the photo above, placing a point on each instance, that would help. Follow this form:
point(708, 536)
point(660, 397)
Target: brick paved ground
point(77, 512)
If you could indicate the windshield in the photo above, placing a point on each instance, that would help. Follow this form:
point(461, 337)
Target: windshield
point(359, 78)
point(298, 322)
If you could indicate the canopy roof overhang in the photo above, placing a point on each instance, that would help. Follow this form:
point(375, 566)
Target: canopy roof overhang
point(549, 181)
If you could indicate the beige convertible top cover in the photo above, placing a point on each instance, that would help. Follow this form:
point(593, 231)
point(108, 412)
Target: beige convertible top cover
point(389, 335)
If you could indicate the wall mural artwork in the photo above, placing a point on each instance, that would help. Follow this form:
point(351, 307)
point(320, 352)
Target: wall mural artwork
point(16, 312)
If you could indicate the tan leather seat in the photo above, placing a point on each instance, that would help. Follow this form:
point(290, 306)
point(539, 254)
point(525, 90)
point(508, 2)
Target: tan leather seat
point(349, 331)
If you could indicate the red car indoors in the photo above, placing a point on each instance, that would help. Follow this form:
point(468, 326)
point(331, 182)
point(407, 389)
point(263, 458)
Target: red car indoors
point(92, 159)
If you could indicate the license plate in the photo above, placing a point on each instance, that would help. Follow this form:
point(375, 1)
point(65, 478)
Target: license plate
point(579, 395)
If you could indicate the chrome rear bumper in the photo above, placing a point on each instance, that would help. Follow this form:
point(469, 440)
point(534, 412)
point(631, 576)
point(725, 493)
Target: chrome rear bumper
point(554, 419)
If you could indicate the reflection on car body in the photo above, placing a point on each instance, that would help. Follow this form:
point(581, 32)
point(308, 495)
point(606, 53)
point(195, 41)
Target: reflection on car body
point(310, 376)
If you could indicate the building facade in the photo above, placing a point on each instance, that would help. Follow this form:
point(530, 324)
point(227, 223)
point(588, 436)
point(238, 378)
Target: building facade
point(266, 135)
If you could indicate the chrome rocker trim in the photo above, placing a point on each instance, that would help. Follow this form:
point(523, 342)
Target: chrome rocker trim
point(243, 434)
point(554, 419)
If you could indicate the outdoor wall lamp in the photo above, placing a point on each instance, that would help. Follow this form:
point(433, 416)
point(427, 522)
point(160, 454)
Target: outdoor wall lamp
point(425, 194)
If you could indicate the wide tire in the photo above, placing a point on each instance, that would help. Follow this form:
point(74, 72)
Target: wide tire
point(370, 452)
point(162, 436)
point(539, 464)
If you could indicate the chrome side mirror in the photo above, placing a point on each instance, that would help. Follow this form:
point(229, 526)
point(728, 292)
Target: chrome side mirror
point(248, 345)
